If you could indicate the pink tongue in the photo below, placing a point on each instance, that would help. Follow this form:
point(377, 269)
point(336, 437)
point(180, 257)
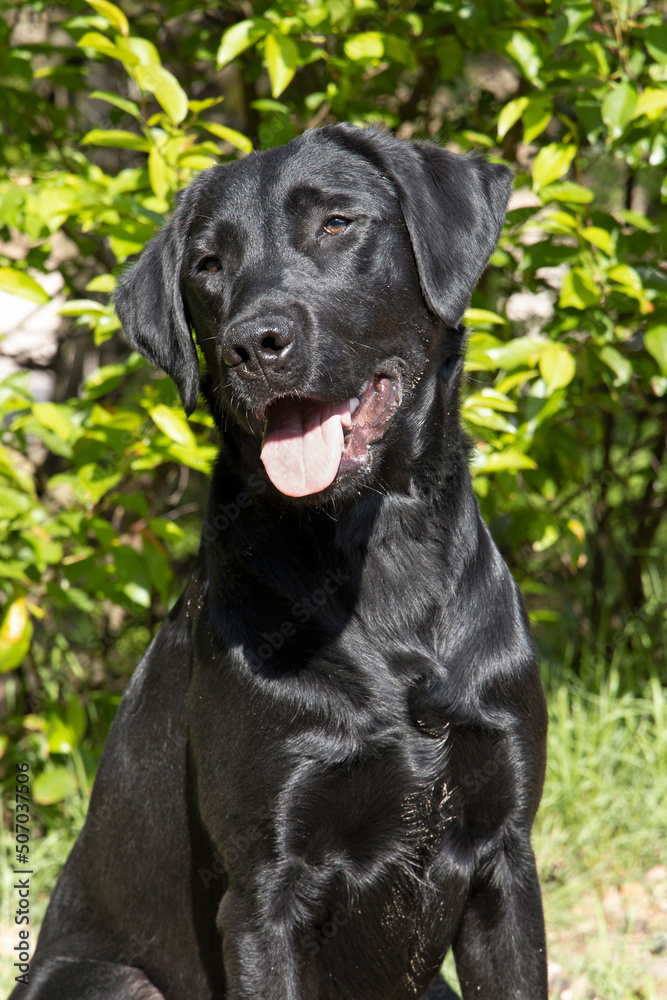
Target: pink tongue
point(303, 444)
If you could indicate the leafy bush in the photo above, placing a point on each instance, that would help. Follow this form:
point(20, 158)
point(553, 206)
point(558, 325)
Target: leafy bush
point(107, 114)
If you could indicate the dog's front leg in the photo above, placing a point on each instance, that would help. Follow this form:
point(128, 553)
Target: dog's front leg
point(263, 958)
point(500, 947)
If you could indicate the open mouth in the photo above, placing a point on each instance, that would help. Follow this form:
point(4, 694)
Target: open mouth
point(307, 443)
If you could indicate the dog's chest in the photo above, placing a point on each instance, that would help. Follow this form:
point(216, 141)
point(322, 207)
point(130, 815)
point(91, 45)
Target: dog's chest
point(338, 817)
point(325, 765)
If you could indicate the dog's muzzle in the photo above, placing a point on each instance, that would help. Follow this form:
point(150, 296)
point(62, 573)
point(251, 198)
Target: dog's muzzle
point(307, 443)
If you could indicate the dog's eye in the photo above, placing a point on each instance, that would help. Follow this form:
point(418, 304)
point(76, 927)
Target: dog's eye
point(210, 265)
point(335, 225)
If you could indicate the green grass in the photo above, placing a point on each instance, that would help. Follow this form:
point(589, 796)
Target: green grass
point(605, 799)
point(602, 823)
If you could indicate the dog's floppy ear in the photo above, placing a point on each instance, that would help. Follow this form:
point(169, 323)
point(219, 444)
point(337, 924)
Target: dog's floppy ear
point(150, 307)
point(454, 208)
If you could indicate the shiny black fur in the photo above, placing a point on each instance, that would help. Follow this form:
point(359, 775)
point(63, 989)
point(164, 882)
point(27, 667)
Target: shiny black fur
point(325, 770)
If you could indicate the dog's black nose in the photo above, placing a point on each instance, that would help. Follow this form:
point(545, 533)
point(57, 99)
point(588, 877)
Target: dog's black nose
point(259, 345)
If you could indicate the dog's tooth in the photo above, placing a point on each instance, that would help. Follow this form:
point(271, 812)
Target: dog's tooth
point(354, 403)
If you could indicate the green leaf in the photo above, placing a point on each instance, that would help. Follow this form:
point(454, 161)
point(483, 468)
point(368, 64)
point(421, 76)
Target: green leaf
point(536, 117)
point(76, 717)
point(99, 43)
point(93, 484)
point(56, 418)
point(558, 221)
point(47, 552)
point(477, 358)
point(53, 785)
point(11, 200)
point(557, 367)
point(240, 37)
point(510, 115)
point(491, 399)
point(11, 469)
point(523, 51)
point(415, 21)
point(367, 45)
point(267, 104)
point(19, 283)
point(159, 173)
point(620, 366)
point(101, 283)
point(13, 503)
point(122, 103)
point(625, 275)
point(655, 342)
point(474, 316)
point(282, 58)
point(543, 615)
point(600, 238)
point(510, 460)
point(578, 290)
point(117, 138)
point(516, 379)
point(551, 163)
point(196, 107)
point(140, 595)
point(549, 538)
point(655, 37)
point(167, 530)
point(229, 135)
point(142, 51)
point(13, 569)
point(166, 89)
point(61, 736)
point(567, 191)
point(112, 14)
point(638, 220)
point(475, 138)
point(196, 161)
point(173, 425)
point(81, 307)
point(15, 634)
point(486, 416)
point(651, 102)
point(201, 458)
point(519, 351)
point(618, 107)
point(103, 380)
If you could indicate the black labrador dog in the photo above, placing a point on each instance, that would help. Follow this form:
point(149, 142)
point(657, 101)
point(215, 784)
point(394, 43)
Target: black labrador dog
point(325, 770)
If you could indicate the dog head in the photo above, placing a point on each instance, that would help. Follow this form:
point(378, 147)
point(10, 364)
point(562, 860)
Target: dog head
point(320, 278)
